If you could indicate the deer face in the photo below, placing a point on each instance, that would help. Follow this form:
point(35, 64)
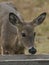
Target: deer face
point(25, 31)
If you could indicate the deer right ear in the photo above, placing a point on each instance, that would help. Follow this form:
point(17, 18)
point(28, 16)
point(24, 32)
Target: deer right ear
point(12, 18)
point(39, 19)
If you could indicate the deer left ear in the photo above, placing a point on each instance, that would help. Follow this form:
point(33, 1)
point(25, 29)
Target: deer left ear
point(39, 19)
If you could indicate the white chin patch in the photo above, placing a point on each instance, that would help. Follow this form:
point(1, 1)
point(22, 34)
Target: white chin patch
point(26, 52)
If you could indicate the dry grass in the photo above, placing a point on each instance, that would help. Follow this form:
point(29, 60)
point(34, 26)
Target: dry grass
point(30, 9)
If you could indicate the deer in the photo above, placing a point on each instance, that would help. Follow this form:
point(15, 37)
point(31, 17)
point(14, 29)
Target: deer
point(17, 35)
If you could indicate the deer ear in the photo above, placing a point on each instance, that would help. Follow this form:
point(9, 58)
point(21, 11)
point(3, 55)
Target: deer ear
point(39, 19)
point(14, 19)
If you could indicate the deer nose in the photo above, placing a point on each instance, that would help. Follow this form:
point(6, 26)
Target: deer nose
point(32, 50)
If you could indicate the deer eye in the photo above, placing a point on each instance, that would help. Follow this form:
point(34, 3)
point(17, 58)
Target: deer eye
point(23, 35)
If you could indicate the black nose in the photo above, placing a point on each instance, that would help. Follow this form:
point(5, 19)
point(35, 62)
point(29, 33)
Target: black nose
point(32, 50)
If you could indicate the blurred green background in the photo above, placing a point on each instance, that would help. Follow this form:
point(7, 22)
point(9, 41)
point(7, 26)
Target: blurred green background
point(30, 9)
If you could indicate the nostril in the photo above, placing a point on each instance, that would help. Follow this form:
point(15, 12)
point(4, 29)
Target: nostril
point(32, 50)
